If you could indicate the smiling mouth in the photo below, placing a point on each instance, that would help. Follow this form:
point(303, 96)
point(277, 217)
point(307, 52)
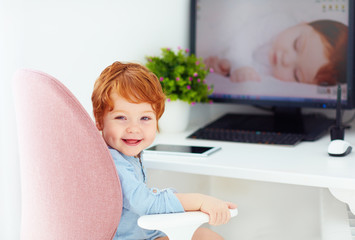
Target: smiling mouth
point(132, 142)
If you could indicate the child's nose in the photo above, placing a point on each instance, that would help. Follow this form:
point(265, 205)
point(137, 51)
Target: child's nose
point(288, 59)
point(133, 128)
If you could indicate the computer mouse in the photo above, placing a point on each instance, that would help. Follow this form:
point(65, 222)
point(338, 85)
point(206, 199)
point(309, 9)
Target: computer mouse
point(339, 148)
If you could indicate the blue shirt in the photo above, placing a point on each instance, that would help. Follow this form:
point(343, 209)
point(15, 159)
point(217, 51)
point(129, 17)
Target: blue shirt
point(139, 200)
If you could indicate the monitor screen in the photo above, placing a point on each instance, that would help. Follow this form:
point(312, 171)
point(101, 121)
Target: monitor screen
point(276, 52)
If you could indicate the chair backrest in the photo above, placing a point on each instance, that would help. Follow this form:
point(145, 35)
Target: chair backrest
point(70, 188)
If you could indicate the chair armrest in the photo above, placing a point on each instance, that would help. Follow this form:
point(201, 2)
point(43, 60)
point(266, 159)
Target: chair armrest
point(173, 220)
point(177, 226)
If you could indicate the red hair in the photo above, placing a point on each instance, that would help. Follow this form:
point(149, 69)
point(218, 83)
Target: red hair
point(335, 36)
point(133, 82)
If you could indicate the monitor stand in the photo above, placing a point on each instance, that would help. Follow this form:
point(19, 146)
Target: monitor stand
point(283, 120)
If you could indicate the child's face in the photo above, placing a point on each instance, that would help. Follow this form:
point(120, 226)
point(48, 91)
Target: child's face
point(129, 127)
point(297, 53)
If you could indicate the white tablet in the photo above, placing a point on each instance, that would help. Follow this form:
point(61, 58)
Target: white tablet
point(182, 150)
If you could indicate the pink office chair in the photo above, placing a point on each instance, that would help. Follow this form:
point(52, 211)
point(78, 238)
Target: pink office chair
point(70, 188)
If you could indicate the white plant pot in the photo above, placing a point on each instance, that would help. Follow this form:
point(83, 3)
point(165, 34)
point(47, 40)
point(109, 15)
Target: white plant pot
point(176, 117)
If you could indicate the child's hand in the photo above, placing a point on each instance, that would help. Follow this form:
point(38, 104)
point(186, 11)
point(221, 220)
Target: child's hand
point(220, 66)
point(218, 210)
point(244, 74)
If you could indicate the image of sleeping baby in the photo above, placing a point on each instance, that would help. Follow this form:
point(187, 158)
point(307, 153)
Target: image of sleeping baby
point(312, 53)
point(275, 47)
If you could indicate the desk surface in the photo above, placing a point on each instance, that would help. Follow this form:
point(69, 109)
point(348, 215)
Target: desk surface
point(305, 164)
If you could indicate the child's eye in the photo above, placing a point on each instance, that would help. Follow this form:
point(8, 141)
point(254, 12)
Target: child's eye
point(297, 75)
point(120, 117)
point(146, 118)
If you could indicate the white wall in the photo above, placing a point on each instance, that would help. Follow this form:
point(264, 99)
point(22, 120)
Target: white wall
point(73, 41)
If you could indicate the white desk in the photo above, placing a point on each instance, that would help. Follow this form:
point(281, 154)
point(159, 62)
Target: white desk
point(306, 164)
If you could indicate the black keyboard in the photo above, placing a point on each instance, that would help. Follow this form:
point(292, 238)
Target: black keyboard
point(247, 136)
point(265, 129)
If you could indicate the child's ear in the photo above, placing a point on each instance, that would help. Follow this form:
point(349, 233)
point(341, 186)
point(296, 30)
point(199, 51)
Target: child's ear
point(98, 126)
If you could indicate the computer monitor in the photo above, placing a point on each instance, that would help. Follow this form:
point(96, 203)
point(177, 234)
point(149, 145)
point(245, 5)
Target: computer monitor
point(286, 54)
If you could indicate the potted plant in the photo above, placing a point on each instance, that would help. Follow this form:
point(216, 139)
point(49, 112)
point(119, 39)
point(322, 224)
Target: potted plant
point(182, 77)
point(181, 74)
